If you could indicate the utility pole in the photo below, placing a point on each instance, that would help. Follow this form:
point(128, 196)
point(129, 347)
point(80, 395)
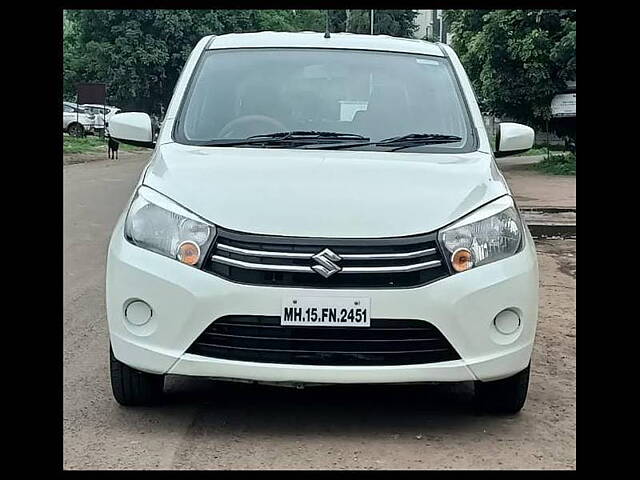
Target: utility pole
point(371, 21)
point(326, 29)
point(436, 25)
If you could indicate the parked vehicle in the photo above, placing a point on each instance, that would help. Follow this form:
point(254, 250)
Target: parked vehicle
point(75, 120)
point(563, 116)
point(322, 210)
point(104, 112)
point(79, 121)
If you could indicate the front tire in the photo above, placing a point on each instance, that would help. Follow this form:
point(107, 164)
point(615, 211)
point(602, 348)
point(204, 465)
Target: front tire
point(503, 396)
point(132, 387)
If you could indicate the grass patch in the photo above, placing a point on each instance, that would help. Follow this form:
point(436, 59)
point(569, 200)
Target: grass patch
point(537, 149)
point(89, 144)
point(564, 164)
point(541, 150)
point(532, 152)
point(83, 144)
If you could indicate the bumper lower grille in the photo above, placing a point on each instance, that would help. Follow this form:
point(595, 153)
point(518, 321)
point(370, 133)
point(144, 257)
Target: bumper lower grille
point(262, 339)
point(326, 263)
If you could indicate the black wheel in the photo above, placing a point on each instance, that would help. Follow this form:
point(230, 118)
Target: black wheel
point(132, 387)
point(76, 130)
point(503, 396)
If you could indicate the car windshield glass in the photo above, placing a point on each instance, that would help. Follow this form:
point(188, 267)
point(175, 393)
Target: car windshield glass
point(239, 93)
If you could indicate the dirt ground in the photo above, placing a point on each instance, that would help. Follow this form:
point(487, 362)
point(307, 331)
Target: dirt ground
point(534, 189)
point(217, 425)
point(100, 155)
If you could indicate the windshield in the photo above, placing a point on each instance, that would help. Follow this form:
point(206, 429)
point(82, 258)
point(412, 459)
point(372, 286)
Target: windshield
point(239, 93)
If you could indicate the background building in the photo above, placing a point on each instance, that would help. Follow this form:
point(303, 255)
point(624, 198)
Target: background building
point(432, 26)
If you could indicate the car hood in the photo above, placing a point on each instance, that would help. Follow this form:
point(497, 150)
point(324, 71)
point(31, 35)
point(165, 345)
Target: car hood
point(324, 193)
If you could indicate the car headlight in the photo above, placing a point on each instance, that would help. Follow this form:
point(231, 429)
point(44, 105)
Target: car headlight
point(491, 233)
point(156, 223)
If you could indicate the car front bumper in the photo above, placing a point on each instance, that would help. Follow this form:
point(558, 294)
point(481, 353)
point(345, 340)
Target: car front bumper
point(185, 301)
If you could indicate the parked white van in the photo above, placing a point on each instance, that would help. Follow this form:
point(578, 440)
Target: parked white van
point(322, 211)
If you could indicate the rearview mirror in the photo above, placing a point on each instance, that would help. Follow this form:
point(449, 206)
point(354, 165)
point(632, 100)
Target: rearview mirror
point(133, 128)
point(513, 138)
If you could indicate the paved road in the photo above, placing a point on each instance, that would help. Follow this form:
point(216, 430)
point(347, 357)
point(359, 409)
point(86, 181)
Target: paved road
point(212, 425)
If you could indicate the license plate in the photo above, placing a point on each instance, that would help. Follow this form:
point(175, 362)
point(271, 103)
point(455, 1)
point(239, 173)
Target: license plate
point(326, 311)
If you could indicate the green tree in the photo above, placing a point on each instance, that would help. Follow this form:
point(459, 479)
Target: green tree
point(338, 20)
point(139, 53)
point(290, 20)
point(397, 23)
point(517, 60)
point(311, 20)
point(69, 60)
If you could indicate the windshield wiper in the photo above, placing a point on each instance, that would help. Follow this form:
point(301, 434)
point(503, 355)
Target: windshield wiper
point(311, 134)
point(404, 141)
point(417, 139)
point(420, 138)
point(296, 136)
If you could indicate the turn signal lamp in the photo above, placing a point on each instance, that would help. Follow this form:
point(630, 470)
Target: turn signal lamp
point(189, 253)
point(461, 260)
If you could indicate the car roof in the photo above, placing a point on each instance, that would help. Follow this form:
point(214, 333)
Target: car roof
point(317, 40)
point(73, 105)
point(96, 105)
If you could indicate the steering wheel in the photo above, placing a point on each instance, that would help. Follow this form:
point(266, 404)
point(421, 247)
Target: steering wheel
point(248, 125)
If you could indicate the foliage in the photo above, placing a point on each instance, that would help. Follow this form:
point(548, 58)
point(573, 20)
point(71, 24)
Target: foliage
point(540, 149)
point(139, 53)
point(337, 20)
point(558, 164)
point(397, 23)
point(290, 20)
point(517, 60)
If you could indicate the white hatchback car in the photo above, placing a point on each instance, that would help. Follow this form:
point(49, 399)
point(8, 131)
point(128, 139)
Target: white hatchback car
point(321, 211)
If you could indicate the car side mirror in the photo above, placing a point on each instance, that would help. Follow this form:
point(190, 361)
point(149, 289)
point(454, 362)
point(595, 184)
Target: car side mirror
point(513, 138)
point(133, 128)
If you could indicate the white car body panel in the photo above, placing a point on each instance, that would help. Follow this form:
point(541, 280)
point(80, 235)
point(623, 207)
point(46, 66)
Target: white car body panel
point(465, 83)
point(324, 193)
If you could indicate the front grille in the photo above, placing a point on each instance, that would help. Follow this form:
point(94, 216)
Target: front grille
point(326, 263)
point(262, 339)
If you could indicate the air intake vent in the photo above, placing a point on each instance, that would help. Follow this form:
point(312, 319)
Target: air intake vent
point(263, 339)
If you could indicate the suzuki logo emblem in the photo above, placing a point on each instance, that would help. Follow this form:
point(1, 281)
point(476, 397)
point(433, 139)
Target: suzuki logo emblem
point(326, 258)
